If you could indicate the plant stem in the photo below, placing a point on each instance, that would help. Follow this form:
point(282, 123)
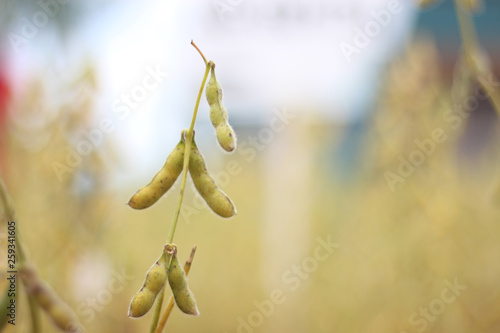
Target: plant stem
point(158, 303)
point(156, 314)
point(6, 202)
point(170, 306)
point(189, 138)
point(201, 53)
point(492, 93)
point(472, 54)
point(466, 26)
point(10, 214)
point(35, 314)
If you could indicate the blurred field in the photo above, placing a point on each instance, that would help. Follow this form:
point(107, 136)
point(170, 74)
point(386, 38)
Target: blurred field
point(398, 251)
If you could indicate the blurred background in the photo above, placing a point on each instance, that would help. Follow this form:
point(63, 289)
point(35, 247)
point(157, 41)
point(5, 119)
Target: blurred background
point(366, 178)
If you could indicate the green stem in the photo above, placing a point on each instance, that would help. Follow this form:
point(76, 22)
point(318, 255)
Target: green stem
point(466, 26)
point(189, 138)
point(156, 314)
point(170, 306)
point(492, 93)
point(6, 202)
point(187, 150)
point(9, 211)
point(199, 51)
point(472, 51)
point(35, 314)
point(159, 302)
point(8, 207)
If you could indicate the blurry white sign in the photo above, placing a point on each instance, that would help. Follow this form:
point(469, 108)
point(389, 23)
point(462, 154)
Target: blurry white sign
point(312, 53)
point(270, 54)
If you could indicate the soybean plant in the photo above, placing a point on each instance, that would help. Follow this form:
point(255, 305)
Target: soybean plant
point(185, 158)
point(39, 293)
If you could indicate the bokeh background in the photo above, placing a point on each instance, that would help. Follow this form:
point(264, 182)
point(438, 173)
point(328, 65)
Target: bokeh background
point(359, 127)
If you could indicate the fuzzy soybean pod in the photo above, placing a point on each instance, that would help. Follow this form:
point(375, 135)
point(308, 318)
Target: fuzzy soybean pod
point(218, 114)
point(61, 314)
point(216, 199)
point(177, 280)
point(162, 181)
point(155, 281)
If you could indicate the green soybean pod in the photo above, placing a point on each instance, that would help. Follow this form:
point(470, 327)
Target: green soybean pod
point(213, 91)
point(218, 114)
point(177, 280)
point(226, 137)
point(204, 183)
point(154, 282)
point(58, 311)
point(141, 303)
point(162, 181)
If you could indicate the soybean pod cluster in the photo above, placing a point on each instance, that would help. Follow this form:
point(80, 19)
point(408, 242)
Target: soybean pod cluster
point(218, 201)
point(167, 268)
point(184, 158)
